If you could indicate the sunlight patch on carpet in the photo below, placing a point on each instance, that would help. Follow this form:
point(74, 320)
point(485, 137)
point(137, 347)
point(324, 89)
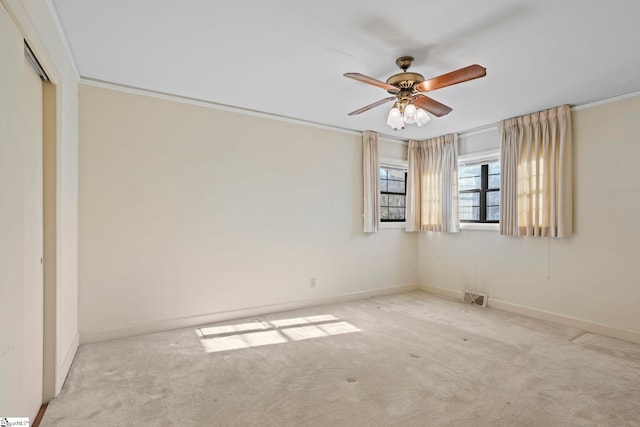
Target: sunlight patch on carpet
point(280, 331)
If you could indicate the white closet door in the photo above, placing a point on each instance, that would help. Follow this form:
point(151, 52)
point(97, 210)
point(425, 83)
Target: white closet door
point(33, 240)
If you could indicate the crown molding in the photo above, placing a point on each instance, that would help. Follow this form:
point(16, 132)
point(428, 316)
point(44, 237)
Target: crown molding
point(603, 101)
point(224, 107)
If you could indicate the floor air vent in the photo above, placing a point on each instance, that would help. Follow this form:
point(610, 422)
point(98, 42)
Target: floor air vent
point(473, 298)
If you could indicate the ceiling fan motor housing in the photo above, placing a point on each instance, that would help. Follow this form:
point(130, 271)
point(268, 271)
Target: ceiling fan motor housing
point(405, 80)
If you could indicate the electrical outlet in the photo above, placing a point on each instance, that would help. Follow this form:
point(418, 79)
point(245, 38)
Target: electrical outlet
point(312, 282)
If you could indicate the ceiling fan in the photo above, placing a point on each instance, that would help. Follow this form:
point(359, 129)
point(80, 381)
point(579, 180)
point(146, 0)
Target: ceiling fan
point(407, 88)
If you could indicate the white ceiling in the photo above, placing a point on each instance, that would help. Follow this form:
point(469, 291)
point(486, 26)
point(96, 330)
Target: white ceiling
point(287, 57)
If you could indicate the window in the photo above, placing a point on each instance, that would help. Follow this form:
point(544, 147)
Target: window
point(479, 191)
point(393, 193)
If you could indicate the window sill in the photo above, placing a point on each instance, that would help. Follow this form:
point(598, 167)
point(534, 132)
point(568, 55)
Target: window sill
point(479, 226)
point(392, 226)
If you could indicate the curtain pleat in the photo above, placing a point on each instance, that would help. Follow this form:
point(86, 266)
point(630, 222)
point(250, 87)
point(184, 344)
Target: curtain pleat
point(370, 173)
point(432, 185)
point(537, 178)
point(509, 157)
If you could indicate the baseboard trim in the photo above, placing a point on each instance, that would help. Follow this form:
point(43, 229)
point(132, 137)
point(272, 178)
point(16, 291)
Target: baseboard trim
point(63, 369)
point(185, 322)
point(443, 292)
point(596, 328)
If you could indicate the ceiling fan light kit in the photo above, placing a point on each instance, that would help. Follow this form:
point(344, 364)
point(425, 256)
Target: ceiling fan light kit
point(400, 115)
point(411, 106)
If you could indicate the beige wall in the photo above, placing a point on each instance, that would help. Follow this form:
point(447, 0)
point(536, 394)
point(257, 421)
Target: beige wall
point(171, 226)
point(592, 276)
point(187, 210)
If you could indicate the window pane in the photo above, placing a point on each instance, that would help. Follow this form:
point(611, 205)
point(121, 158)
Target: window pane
point(479, 191)
point(395, 174)
point(392, 203)
point(396, 213)
point(467, 171)
point(470, 183)
point(493, 213)
point(396, 186)
point(494, 181)
point(494, 168)
point(469, 199)
point(470, 214)
point(493, 198)
point(384, 213)
point(397, 201)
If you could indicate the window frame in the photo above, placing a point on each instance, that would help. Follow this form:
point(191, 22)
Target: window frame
point(483, 158)
point(394, 164)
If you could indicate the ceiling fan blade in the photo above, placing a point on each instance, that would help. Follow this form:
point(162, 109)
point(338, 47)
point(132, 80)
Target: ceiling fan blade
point(462, 75)
point(431, 105)
point(370, 80)
point(370, 106)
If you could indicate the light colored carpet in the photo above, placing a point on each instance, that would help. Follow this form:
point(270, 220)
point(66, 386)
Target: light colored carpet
point(410, 359)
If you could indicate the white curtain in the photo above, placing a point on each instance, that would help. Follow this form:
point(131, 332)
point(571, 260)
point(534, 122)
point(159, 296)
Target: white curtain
point(432, 185)
point(536, 179)
point(370, 172)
